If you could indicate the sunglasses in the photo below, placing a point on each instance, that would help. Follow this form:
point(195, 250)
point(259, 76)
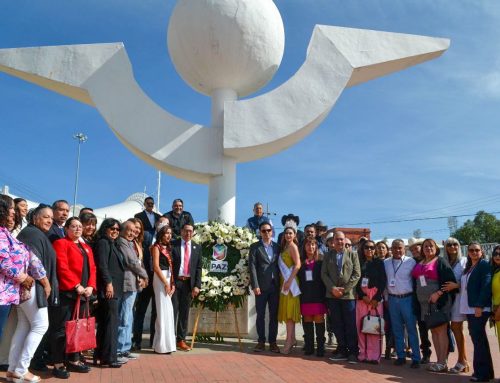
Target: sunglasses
point(451, 244)
point(495, 255)
point(369, 247)
point(114, 229)
point(266, 230)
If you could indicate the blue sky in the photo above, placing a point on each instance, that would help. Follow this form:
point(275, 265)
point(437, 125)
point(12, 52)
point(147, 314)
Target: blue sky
point(418, 143)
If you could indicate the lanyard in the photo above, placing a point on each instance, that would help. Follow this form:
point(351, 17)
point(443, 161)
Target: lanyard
point(396, 269)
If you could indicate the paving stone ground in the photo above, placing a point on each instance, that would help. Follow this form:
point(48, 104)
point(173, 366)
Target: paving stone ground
point(225, 363)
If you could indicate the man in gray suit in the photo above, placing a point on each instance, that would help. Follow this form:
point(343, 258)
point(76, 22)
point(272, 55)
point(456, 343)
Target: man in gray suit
point(340, 273)
point(264, 278)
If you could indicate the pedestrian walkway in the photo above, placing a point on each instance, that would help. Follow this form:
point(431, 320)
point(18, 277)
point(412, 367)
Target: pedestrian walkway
point(225, 363)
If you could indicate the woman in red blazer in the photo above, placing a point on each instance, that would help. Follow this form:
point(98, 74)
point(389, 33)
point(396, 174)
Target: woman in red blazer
point(76, 273)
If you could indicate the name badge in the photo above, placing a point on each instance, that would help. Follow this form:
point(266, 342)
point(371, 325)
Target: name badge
point(364, 282)
point(423, 282)
point(392, 283)
point(309, 275)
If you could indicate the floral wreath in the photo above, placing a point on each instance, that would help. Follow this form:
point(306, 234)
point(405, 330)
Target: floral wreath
point(219, 290)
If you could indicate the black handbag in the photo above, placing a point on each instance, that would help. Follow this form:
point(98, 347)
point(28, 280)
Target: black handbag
point(435, 317)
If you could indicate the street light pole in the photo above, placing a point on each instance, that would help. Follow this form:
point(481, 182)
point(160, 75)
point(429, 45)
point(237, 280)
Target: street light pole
point(81, 139)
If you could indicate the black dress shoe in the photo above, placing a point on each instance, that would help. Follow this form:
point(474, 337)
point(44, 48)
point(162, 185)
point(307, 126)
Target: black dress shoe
point(39, 367)
point(415, 364)
point(111, 364)
point(399, 361)
point(60, 372)
point(425, 359)
point(83, 368)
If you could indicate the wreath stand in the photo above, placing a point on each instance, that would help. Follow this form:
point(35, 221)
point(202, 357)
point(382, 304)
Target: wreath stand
point(195, 328)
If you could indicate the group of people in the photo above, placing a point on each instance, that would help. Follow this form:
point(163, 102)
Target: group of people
point(375, 291)
point(50, 263)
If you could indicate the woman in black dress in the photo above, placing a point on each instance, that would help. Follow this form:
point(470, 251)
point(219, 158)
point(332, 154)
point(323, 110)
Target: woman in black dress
point(110, 275)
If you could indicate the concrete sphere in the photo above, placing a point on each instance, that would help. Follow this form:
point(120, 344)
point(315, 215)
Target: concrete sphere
point(221, 44)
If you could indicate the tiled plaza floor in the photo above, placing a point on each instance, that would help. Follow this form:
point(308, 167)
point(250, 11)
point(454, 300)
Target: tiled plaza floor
point(225, 363)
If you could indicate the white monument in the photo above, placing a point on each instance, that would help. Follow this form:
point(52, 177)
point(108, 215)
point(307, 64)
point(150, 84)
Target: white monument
point(225, 49)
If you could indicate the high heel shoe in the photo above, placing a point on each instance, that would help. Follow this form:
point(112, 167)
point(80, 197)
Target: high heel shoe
point(459, 367)
point(288, 348)
point(438, 367)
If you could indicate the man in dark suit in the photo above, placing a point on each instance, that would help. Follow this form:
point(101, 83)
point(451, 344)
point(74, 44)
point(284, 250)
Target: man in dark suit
point(178, 217)
point(60, 209)
point(186, 259)
point(264, 278)
point(149, 219)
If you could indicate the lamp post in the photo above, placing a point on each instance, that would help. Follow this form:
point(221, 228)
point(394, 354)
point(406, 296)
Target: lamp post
point(81, 139)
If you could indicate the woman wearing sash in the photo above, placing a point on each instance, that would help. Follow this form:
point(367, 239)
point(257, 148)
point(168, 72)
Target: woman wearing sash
point(289, 304)
point(164, 339)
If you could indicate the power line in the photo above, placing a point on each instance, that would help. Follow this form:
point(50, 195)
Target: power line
point(410, 219)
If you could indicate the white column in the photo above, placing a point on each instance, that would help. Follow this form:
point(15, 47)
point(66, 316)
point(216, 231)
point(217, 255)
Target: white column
point(222, 189)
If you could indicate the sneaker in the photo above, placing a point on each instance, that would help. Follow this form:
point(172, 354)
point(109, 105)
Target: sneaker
point(259, 347)
point(352, 359)
point(399, 361)
point(338, 357)
point(121, 360)
point(130, 355)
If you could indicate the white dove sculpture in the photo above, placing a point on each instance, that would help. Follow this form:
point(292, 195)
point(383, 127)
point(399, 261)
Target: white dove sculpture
point(225, 49)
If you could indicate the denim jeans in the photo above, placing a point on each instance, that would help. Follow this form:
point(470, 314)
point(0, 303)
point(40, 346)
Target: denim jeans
point(482, 363)
point(4, 314)
point(401, 311)
point(126, 321)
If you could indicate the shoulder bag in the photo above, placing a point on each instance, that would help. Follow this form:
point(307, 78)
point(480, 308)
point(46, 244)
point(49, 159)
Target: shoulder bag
point(80, 332)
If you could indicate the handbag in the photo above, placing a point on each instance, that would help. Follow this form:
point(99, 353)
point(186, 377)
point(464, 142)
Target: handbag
point(80, 332)
point(435, 317)
point(373, 324)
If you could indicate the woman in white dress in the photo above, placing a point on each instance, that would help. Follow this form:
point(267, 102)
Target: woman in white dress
point(164, 339)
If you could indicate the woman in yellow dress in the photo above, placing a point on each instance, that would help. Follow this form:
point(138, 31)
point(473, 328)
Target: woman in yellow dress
point(495, 287)
point(289, 305)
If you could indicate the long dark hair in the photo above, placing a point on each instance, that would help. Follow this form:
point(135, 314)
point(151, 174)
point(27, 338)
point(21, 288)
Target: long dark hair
point(316, 253)
point(494, 267)
point(468, 265)
point(362, 259)
point(105, 225)
point(6, 203)
point(160, 235)
point(283, 240)
point(18, 219)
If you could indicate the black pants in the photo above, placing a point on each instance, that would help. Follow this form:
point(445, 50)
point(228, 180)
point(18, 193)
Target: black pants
point(141, 306)
point(107, 330)
point(62, 314)
point(482, 362)
point(425, 343)
point(181, 300)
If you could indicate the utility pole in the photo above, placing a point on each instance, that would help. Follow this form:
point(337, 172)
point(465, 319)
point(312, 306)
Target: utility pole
point(81, 139)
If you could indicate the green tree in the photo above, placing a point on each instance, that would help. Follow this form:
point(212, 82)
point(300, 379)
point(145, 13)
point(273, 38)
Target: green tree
point(484, 228)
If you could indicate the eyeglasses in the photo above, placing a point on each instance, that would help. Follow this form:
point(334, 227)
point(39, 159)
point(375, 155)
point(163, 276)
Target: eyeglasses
point(474, 250)
point(495, 255)
point(451, 244)
point(266, 230)
point(369, 247)
point(114, 229)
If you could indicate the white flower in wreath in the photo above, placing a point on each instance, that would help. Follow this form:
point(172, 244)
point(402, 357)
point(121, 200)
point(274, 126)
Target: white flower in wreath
point(226, 289)
point(244, 252)
point(216, 283)
point(220, 241)
point(227, 239)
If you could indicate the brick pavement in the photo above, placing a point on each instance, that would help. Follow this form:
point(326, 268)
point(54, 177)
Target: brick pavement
point(224, 363)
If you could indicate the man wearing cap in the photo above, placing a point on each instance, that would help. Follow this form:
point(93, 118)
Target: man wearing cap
point(398, 270)
point(288, 220)
point(415, 246)
point(254, 222)
point(340, 273)
point(321, 229)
